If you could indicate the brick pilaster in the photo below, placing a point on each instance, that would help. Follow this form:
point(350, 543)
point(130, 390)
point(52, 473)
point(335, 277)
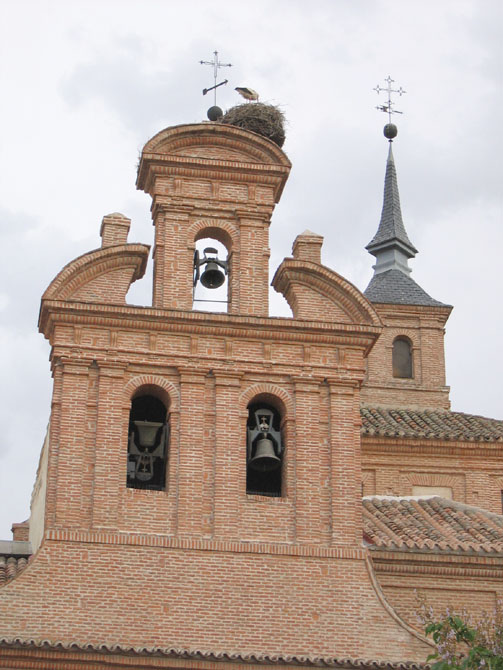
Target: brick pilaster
point(344, 424)
point(111, 446)
point(71, 446)
point(308, 483)
point(230, 454)
point(191, 458)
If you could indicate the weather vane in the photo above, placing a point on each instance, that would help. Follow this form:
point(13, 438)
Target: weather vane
point(216, 64)
point(390, 130)
point(388, 107)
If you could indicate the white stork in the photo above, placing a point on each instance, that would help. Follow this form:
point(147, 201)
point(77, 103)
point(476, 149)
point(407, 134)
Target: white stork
point(247, 93)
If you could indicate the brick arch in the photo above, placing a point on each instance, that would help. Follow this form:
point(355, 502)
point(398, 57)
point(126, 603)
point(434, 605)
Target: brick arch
point(152, 380)
point(223, 231)
point(257, 389)
point(410, 334)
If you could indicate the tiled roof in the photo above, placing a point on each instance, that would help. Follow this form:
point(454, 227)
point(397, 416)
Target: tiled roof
point(431, 524)
point(263, 659)
point(10, 567)
point(395, 287)
point(14, 556)
point(430, 424)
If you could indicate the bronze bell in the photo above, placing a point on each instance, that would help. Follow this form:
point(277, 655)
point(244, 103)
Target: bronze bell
point(147, 432)
point(265, 459)
point(212, 277)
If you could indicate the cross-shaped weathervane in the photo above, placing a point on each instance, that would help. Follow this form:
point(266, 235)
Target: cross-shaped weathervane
point(216, 64)
point(388, 107)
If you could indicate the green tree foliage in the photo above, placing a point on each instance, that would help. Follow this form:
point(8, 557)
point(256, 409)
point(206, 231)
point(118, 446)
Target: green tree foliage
point(463, 642)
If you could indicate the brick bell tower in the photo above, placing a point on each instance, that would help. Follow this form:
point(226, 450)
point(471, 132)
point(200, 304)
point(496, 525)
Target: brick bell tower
point(199, 491)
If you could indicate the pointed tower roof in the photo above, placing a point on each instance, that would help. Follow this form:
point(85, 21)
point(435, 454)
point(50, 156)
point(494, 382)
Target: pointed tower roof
point(391, 231)
point(392, 248)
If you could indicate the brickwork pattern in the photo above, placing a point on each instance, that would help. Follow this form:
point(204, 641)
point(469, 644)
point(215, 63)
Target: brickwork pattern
point(202, 565)
point(424, 328)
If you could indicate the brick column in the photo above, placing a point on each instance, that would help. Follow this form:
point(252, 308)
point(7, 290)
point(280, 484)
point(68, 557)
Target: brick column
point(111, 446)
point(308, 479)
point(230, 454)
point(173, 260)
point(54, 439)
point(72, 429)
point(344, 427)
point(250, 281)
point(191, 458)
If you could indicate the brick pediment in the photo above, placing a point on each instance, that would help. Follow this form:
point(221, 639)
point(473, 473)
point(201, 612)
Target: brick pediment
point(216, 141)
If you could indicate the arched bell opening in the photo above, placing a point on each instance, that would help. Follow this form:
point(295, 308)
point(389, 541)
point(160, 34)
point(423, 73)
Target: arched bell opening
point(211, 271)
point(402, 360)
point(264, 449)
point(148, 440)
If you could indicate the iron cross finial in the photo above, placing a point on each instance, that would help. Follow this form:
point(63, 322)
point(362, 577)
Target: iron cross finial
point(215, 63)
point(387, 108)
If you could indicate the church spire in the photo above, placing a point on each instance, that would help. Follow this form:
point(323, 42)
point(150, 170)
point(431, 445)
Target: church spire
point(391, 245)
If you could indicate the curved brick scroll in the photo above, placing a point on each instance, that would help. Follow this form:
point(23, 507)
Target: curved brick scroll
point(100, 276)
point(316, 293)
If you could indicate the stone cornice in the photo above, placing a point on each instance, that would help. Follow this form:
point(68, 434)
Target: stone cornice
point(436, 564)
point(218, 170)
point(372, 445)
point(109, 538)
point(204, 323)
point(437, 313)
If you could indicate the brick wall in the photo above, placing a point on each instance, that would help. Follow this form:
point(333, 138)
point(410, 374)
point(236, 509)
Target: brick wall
point(424, 328)
point(202, 564)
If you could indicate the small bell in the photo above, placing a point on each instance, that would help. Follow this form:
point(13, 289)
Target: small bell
point(212, 277)
point(265, 459)
point(214, 272)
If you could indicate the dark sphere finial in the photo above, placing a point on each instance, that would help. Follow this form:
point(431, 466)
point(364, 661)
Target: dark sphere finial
point(390, 131)
point(214, 113)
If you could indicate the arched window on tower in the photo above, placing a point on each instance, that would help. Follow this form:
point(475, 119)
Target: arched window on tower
point(264, 451)
point(402, 358)
point(147, 443)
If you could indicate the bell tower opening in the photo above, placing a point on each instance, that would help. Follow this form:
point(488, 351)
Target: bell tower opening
point(211, 276)
point(148, 433)
point(264, 450)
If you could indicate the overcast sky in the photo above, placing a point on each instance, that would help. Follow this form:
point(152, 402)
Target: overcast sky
point(85, 84)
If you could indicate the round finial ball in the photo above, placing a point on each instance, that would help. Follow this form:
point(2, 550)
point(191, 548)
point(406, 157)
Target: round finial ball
point(214, 113)
point(390, 131)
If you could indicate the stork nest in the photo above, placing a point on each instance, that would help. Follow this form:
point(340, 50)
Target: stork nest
point(265, 120)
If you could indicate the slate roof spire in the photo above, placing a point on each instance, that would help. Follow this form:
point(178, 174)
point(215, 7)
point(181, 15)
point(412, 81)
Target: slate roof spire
point(392, 248)
point(391, 245)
